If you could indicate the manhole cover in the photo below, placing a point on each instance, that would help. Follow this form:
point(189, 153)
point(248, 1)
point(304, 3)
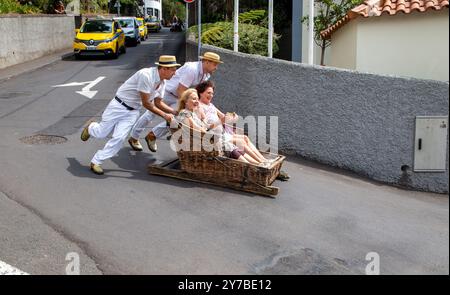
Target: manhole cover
point(43, 139)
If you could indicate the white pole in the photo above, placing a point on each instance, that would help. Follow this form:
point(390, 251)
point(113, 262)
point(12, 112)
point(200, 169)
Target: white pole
point(199, 27)
point(236, 26)
point(187, 16)
point(270, 44)
point(311, 33)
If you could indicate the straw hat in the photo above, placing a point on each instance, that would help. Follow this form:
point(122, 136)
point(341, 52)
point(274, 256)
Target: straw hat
point(211, 56)
point(167, 61)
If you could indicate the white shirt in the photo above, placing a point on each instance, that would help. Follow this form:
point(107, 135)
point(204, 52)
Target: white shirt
point(210, 113)
point(147, 81)
point(189, 75)
point(211, 117)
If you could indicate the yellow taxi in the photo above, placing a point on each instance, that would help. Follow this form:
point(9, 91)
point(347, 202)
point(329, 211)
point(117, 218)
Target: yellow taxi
point(143, 31)
point(99, 37)
point(153, 24)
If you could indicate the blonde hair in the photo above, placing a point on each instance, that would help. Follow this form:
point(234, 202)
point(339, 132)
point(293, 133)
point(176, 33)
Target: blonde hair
point(184, 98)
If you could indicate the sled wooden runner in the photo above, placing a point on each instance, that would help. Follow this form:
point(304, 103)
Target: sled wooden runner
point(173, 169)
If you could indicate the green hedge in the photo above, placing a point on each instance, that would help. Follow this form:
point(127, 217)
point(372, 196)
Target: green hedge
point(252, 38)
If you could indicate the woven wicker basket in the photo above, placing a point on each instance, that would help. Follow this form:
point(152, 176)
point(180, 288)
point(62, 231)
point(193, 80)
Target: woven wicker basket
point(212, 164)
point(230, 170)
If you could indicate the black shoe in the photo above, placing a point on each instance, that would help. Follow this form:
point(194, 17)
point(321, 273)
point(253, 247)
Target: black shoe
point(283, 176)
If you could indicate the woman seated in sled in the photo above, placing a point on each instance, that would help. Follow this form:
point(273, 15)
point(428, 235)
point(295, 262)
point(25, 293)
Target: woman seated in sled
point(190, 114)
point(213, 116)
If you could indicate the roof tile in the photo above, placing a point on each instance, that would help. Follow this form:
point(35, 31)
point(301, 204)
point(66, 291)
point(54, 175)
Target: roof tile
point(389, 7)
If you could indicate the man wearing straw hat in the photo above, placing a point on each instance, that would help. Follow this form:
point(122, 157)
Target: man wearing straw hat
point(189, 75)
point(122, 112)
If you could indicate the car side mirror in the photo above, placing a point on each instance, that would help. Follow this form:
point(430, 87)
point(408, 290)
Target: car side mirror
point(77, 31)
point(119, 30)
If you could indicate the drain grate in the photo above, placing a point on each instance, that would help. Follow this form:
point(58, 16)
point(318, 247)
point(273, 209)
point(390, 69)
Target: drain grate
point(43, 139)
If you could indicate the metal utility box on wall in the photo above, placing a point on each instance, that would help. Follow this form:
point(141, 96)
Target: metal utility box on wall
point(430, 153)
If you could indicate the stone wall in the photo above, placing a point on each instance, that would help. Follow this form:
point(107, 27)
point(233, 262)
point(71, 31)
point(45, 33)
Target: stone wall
point(356, 121)
point(27, 37)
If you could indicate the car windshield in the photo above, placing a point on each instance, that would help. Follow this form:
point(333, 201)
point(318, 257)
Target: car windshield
point(126, 23)
point(97, 27)
point(140, 23)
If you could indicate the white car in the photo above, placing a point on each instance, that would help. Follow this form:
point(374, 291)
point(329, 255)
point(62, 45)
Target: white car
point(130, 27)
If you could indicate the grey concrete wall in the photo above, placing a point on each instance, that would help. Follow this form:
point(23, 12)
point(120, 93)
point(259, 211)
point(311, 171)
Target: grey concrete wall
point(356, 121)
point(27, 37)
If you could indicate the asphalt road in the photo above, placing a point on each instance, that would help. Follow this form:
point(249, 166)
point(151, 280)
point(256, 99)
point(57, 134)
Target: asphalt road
point(128, 222)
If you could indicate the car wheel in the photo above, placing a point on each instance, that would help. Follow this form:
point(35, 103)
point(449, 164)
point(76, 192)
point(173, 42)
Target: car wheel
point(115, 54)
point(123, 49)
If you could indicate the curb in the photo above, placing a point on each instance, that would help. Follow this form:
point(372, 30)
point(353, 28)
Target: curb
point(33, 65)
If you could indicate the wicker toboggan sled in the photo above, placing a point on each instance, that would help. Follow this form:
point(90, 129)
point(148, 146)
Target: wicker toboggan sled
point(207, 164)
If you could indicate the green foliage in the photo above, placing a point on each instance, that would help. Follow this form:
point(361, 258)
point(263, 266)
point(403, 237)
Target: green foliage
point(255, 17)
point(99, 6)
point(96, 5)
point(13, 6)
point(253, 33)
point(213, 35)
point(222, 10)
point(46, 6)
point(252, 38)
point(328, 13)
point(173, 7)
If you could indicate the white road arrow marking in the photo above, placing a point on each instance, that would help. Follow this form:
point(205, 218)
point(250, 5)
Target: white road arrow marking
point(72, 84)
point(86, 91)
point(6, 269)
point(89, 94)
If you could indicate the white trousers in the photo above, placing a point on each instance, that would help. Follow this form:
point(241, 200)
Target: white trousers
point(159, 130)
point(115, 117)
point(141, 124)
